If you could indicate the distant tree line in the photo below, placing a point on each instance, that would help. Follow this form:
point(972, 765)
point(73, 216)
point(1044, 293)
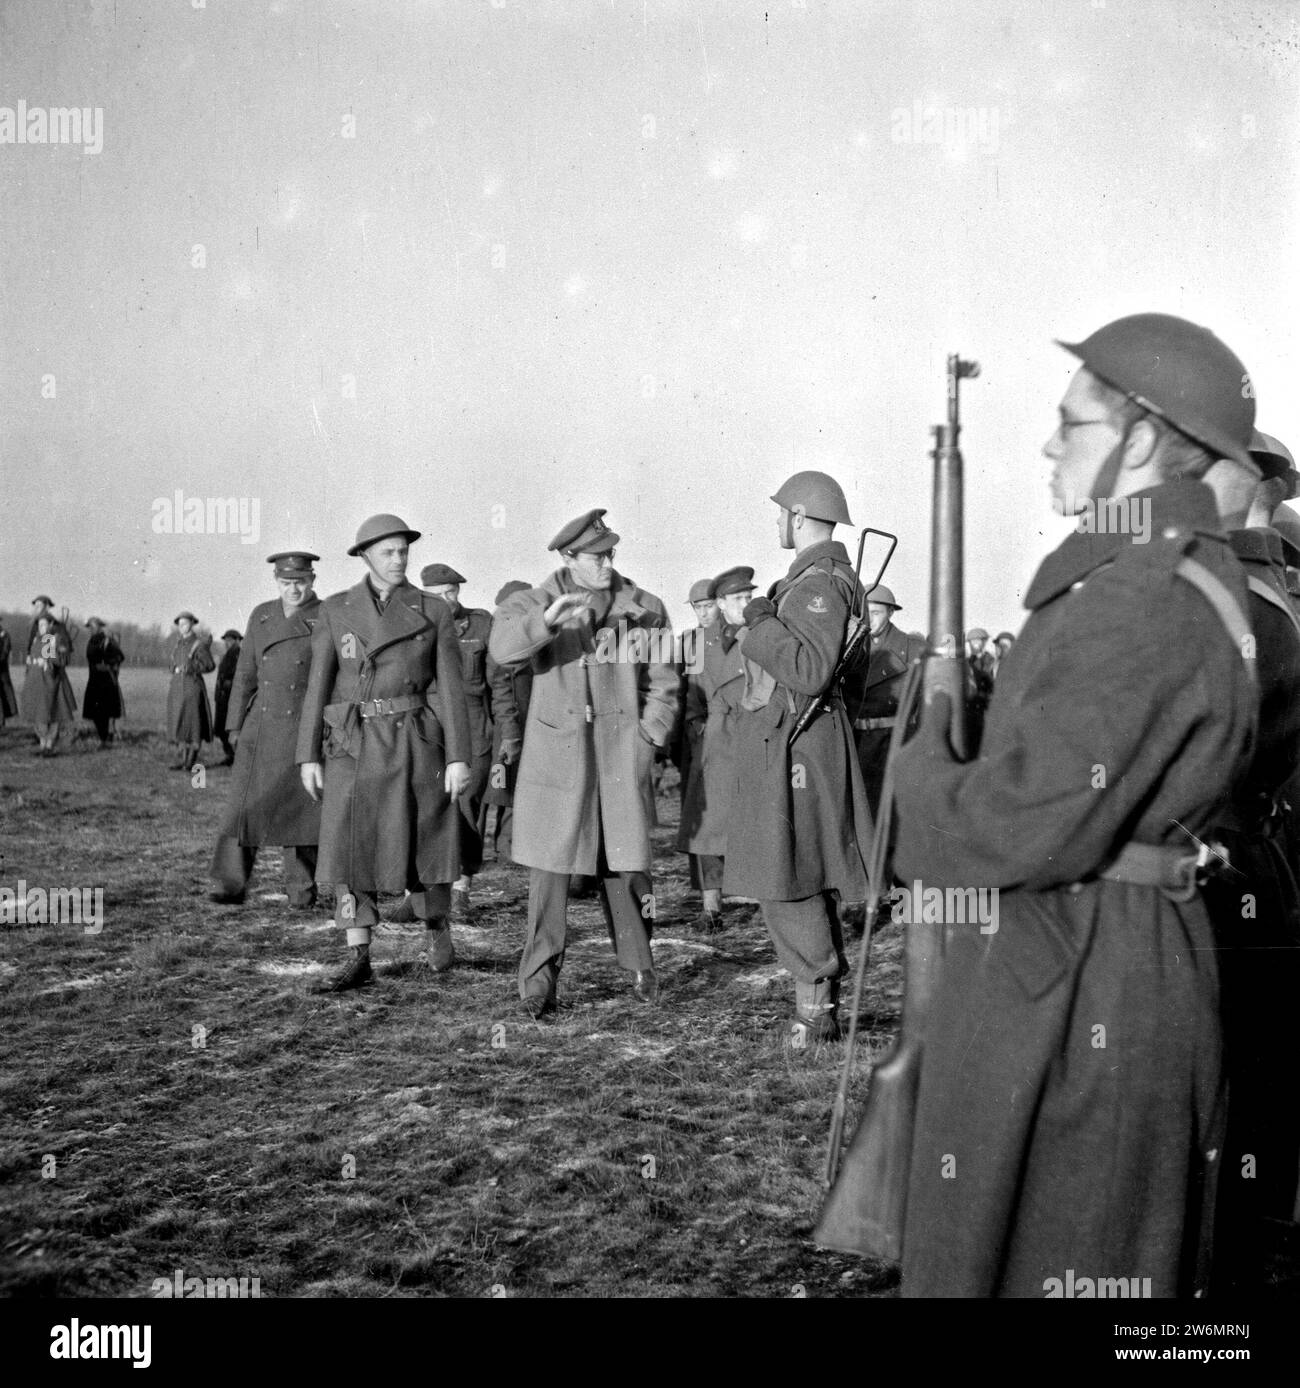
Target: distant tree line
point(140, 645)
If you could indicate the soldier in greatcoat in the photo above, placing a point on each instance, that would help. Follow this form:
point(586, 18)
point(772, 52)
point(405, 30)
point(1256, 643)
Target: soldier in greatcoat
point(693, 705)
point(221, 692)
point(1255, 908)
point(873, 702)
point(384, 733)
point(473, 625)
point(713, 712)
point(47, 702)
point(102, 702)
point(800, 818)
point(512, 687)
point(604, 697)
point(189, 718)
point(1070, 1111)
point(267, 802)
point(8, 700)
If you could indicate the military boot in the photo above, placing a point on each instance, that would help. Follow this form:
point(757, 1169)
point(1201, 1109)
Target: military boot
point(645, 986)
point(356, 975)
point(815, 1007)
point(442, 953)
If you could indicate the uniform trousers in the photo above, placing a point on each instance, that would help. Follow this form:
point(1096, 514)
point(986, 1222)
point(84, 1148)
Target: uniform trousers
point(232, 866)
point(357, 910)
point(706, 871)
point(809, 942)
point(624, 897)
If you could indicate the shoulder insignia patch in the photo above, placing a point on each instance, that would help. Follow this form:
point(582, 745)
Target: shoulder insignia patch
point(818, 605)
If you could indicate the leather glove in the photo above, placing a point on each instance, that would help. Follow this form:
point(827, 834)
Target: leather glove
point(757, 609)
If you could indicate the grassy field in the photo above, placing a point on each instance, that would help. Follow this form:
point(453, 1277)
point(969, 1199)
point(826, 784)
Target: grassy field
point(177, 1099)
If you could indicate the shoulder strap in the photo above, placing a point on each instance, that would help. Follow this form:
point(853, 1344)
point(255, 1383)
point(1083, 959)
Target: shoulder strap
point(1217, 594)
point(1271, 595)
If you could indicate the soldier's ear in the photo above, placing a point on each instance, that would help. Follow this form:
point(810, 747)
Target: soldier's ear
point(799, 513)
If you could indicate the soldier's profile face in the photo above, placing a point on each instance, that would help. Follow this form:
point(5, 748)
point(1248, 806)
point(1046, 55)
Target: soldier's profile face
point(294, 591)
point(785, 529)
point(387, 559)
point(448, 592)
point(592, 570)
point(1085, 437)
point(706, 611)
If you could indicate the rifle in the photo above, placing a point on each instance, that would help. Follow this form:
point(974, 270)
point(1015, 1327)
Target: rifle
point(866, 1206)
point(859, 630)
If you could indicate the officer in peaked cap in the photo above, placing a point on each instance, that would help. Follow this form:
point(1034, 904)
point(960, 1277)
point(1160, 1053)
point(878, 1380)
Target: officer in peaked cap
point(472, 627)
point(801, 838)
point(511, 689)
point(102, 701)
point(267, 802)
point(385, 732)
point(713, 712)
point(1112, 739)
point(604, 697)
point(221, 692)
point(692, 707)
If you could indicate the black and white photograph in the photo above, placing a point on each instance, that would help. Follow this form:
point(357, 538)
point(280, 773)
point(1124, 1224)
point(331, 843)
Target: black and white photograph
point(649, 649)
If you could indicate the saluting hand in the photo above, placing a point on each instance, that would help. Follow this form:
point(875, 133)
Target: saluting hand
point(313, 778)
point(565, 607)
point(456, 780)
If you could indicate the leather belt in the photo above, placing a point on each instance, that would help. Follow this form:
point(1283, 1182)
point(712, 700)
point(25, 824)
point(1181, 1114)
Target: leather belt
point(871, 725)
point(382, 708)
point(1177, 872)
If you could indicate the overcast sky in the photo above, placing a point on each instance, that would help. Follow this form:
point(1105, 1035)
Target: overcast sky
point(491, 263)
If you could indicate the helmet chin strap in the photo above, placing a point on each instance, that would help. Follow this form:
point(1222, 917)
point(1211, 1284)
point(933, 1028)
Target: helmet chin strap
point(1107, 479)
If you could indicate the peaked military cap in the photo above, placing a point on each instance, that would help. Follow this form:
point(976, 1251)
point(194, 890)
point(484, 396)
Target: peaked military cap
point(515, 585)
point(737, 580)
point(586, 534)
point(381, 527)
point(292, 563)
point(884, 596)
point(176, 621)
point(230, 634)
point(702, 590)
point(433, 574)
point(49, 602)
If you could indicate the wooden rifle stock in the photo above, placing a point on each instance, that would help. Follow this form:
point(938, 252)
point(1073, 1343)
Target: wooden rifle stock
point(866, 1206)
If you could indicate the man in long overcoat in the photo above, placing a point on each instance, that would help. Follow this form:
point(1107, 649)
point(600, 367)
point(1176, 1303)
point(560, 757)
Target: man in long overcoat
point(512, 687)
point(102, 702)
point(473, 626)
point(267, 802)
point(1070, 1113)
point(47, 702)
point(604, 697)
point(385, 710)
point(800, 820)
point(226, 668)
point(713, 712)
point(189, 718)
point(1255, 909)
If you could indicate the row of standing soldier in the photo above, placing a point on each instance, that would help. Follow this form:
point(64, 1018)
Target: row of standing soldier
point(47, 701)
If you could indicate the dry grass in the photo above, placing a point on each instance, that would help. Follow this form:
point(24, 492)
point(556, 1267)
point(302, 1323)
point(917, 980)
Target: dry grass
point(617, 1151)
